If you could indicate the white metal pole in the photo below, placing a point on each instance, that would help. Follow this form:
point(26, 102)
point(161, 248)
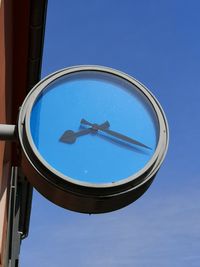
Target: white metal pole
point(7, 132)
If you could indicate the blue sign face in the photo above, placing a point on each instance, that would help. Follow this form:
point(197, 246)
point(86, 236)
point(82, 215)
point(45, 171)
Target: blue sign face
point(94, 127)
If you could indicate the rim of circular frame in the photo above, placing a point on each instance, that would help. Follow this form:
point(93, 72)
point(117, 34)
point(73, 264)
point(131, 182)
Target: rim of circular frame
point(25, 114)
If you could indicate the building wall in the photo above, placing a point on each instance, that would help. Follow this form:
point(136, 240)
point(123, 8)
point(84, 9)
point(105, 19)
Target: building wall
point(5, 117)
point(22, 25)
point(14, 39)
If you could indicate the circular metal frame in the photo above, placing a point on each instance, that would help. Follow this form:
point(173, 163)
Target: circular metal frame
point(84, 196)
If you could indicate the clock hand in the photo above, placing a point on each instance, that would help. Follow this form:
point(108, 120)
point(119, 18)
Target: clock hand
point(115, 134)
point(70, 136)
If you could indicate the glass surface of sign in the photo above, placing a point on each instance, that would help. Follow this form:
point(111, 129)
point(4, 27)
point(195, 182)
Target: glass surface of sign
point(96, 156)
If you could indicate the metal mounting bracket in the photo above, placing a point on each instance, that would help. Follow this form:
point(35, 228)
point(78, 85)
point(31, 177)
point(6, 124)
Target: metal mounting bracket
point(8, 132)
point(18, 215)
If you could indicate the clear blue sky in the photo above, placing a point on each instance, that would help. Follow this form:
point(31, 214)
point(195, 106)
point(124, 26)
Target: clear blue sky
point(157, 42)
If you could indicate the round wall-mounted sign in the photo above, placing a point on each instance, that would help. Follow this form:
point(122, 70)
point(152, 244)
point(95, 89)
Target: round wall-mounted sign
point(92, 138)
